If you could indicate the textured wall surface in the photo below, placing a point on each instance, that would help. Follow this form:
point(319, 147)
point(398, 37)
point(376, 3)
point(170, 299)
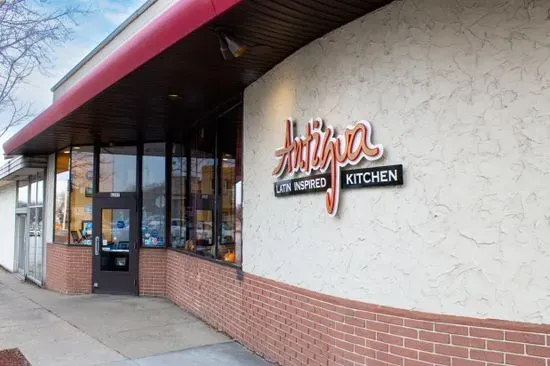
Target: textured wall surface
point(7, 226)
point(457, 91)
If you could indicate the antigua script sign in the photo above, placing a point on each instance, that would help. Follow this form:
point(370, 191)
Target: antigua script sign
point(319, 150)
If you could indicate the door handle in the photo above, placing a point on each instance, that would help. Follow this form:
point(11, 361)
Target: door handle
point(97, 245)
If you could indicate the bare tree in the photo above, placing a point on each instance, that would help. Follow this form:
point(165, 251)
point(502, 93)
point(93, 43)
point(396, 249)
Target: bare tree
point(28, 31)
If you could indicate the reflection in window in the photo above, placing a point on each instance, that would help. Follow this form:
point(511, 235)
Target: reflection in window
point(61, 214)
point(22, 193)
point(117, 169)
point(230, 152)
point(207, 191)
point(82, 178)
point(153, 226)
point(179, 183)
point(200, 221)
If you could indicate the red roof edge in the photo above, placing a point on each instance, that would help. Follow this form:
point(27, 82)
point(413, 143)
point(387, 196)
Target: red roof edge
point(174, 24)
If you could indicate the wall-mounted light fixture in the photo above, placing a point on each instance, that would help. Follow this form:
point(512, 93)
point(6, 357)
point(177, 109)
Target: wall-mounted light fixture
point(229, 46)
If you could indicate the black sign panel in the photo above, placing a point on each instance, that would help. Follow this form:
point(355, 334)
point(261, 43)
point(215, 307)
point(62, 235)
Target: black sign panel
point(315, 183)
point(382, 176)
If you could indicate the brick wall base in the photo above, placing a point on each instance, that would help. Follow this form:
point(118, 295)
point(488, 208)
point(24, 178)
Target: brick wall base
point(293, 326)
point(152, 272)
point(69, 268)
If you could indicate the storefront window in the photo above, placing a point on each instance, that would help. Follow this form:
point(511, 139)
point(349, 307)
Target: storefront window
point(82, 178)
point(117, 169)
point(207, 191)
point(22, 193)
point(179, 182)
point(153, 226)
point(230, 152)
point(61, 219)
point(201, 209)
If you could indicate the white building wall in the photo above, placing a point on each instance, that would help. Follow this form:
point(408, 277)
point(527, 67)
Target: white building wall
point(7, 225)
point(458, 92)
point(151, 13)
point(49, 200)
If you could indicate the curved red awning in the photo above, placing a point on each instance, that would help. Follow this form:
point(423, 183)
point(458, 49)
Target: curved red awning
point(176, 23)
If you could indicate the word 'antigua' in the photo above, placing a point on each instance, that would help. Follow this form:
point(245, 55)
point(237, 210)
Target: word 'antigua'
point(320, 150)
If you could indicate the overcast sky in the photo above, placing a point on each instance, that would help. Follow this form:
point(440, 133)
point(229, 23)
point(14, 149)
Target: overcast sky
point(105, 16)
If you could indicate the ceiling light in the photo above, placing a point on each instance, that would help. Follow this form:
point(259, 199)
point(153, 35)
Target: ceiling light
point(173, 96)
point(67, 152)
point(230, 46)
point(76, 147)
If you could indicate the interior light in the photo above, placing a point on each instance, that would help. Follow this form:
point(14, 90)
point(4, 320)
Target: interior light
point(76, 147)
point(173, 96)
point(67, 152)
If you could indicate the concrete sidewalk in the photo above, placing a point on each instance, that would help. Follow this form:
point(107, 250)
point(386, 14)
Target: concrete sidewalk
point(52, 329)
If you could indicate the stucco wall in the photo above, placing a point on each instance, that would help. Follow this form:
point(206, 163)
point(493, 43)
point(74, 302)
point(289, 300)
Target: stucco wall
point(459, 93)
point(7, 226)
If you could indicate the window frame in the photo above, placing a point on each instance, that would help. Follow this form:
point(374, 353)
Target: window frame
point(217, 214)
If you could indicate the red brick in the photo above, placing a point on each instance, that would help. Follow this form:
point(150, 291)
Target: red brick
point(367, 315)
point(538, 351)
point(518, 360)
point(365, 333)
point(508, 347)
point(402, 331)
point(405, 352)
point(468, 341)
point(390, 339)
point(365, 351)
point(346, 328)
point(353, 357)
point(435, 359)
point(524, 337)
point(355, 321)
point(409, 362)
point(452, 329)
point(419, 345)
point(374, 362)
point(380, 346)
point(389, 319)
point(294, 326)
point(486, 333)
point(451, 350)
point(435, 337)
point(394, 360)
point(488, 356)
point(419, 324)
point(344, 345)
point(355, 339)
point(463, 362)
point(380, 327)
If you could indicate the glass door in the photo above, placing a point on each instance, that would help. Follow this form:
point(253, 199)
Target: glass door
point(115, 245)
